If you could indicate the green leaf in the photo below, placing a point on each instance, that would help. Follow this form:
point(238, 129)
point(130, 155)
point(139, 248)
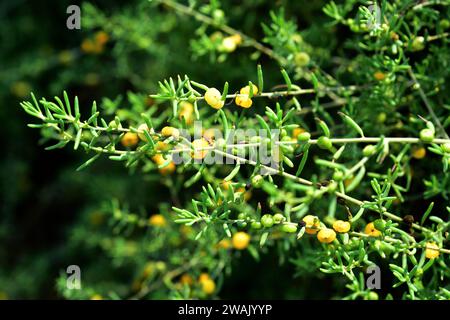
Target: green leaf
point(351, 123)
point(260, 79)
point(233, 173)
point(287, 79)
point(225, 91)
point(263, 239)
point(425, 215)
point(303, 161)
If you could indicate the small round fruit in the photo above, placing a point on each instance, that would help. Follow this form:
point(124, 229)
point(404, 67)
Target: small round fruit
point(242, 216)
point(427, 135)
point(324, 143)
point(170, 132)
point(431, 250)
point(418, 43)
point(224, 244)
point(446, 147)
point(129, 139)
point(186, 279)
point(312, 224)
point(379, 224)
point(229, 44)
point(289, 228)
point(214, 98)
point(257, 181)
point(379, 76)
point(338, 175)
point(419, 153)
point(278, 218)
point(369, 150)
point(198, 144)
point(240, 240)
point(267, 220)
point(256, 225)
point(244, 101)
point(372, 295)
point(142, 128)
point(301, 59)
point(157, 220)
point(246, 90)
point(371, 230)
point(208, 286)
point(203, 277)
point(326, 235)
point(304, 137)
point(341, 226)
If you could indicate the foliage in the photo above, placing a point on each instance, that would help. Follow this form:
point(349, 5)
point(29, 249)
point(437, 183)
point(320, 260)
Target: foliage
point(349, 105)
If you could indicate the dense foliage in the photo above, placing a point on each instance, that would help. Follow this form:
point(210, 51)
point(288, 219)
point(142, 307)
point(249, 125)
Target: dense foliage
point(347, 101)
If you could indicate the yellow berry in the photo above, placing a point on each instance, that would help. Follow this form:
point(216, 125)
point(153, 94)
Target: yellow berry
point(244, 101)
point(129, 139)
point(142, 128)
point(432, 250)
point(240, 240)
point(224, 244)
point(214, 98)
point(199, 144)
point(186, 279)
point(246, 90)
point(203, 277)
point(87, 46)
point(157, 220)
point(170, 132)
point(237, 38)
point(419, 153)
point(341, 226)
point(296, 132)
point(326, 235)
point(229, 44)
point(371, 230)
point(186, 111)
point(312, 224)
point(208, 286)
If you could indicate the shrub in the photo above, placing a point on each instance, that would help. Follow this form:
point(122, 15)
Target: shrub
point(318, 139)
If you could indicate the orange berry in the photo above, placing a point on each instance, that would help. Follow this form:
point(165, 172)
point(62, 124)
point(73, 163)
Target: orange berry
point(379, 76)
point(129, 139)
point(371, 230)
point(101, 37)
